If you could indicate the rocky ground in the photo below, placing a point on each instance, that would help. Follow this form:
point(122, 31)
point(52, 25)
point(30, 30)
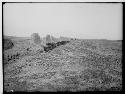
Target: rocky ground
point(79, 65)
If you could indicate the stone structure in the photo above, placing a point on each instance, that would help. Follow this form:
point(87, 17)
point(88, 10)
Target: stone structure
point(36, 38)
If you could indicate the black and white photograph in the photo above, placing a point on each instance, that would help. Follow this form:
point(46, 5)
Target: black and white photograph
point(62, 47)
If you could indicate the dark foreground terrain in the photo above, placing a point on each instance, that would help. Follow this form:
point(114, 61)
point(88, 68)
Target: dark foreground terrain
point(72, 65)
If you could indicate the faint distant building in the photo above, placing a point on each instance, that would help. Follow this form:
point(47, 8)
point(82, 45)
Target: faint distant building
point(48, 39)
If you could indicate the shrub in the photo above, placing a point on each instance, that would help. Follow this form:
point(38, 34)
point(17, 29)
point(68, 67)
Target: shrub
point(49, 47)
point(52, 45)
point(8, 44)
point(61, 43)
point(12, 57)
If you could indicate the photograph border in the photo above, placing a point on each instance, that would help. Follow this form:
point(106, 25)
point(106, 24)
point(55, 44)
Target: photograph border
point(38, 2)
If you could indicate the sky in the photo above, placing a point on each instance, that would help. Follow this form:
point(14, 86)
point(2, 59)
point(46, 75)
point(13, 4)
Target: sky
point(75, 20)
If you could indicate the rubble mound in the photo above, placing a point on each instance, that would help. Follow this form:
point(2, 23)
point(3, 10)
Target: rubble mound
point(78, 65)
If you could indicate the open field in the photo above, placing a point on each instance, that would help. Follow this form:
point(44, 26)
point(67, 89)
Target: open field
point(74, 65)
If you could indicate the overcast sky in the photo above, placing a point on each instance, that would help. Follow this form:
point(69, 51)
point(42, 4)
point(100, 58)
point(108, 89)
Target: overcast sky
point(79, 20)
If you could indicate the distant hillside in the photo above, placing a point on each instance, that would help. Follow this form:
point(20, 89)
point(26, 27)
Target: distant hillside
point(14, 37)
